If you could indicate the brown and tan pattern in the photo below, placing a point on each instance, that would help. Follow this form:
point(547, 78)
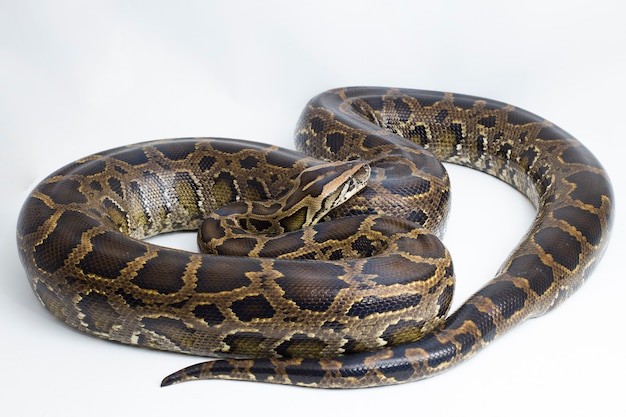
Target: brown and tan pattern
point(358, 297)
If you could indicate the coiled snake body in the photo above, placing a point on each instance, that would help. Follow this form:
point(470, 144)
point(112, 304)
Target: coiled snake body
point(359, 299)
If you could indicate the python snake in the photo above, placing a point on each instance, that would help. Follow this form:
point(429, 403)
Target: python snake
point(359, 299)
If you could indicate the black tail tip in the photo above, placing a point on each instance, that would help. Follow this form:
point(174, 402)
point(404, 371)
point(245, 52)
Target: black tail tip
point(186, 374)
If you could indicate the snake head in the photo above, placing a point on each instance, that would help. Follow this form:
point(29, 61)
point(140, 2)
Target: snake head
point(315, 192)
point(319, 189)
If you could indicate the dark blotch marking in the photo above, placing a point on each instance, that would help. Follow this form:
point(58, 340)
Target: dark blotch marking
point(457, 130)
point(388, 225)
point(95, 185)
point(64, 191)
point(552, 133)
point(397, 368)
point(262, 225)
point(530, 267)
point(541, 179)
point(98, 313)
point(50, 255)
point(489, 121)
point(425, 245)
point(505, 151)
point(405, 331)
point(221, 367)
point(429, 98)
point(119, 169)
point(373, 141)
point(587, 223)
point(317, 124)
point(206, 163)
point(394, 168)
point(311, 286)
point(253, 308)
point(249, 162)
point(176, 150)
point(467, 342)
point(405, 186)
point(483, 321)
point(335, 141)
point(590, 188)
point(244, 343)
point(267, 209)
point(280, 159)
point(256, 190)
point(528, 158)
point(34, 213)
point(523, 137)
point(224, 190)
point(334, 326)
point(441, 116)
point(563, 247)
point(116, 186)
point(133, 156)
point(294, 221)
point(179, 304)
point(353, 367)
point(396, 269)
point(89, 168)
point(418, 216)
point(173, 329)
point(308, 372)
point(481, 144)
point(336, 255)
point(289, 242)
point(438, 353)
point(343, 229)
point(404, 110)
point(228, 146)
point(237, 247)
point(129, 299)
point(429, 165)
point(375, 102)
point(580, 155)
point(419, 132)
point(163, 273)
point(504, 294)
point(374, 305)
point(364, 246)
point(521, 117)
point(211, 229)
point(465, 102)
point(209, 313)
point(215, 276)
point(301, 346)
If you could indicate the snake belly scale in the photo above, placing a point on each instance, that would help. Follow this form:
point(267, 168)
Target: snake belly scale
point(358, 299)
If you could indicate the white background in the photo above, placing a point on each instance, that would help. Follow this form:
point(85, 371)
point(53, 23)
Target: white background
point(77, 77)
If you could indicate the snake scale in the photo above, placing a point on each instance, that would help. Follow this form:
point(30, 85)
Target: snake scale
point(348, 286)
